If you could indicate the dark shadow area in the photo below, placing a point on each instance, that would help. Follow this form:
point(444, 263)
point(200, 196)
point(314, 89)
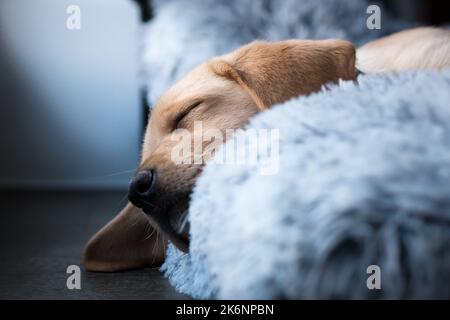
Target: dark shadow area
point(43, 232)
point(423, 12)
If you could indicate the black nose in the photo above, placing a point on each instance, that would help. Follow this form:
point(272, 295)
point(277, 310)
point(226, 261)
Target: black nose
point(141, 187)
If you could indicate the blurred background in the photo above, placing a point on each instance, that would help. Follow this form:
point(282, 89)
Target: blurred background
point(70, 131)
point(70, 105)
point(72, 115)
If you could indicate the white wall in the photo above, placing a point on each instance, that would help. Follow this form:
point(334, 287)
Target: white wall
point(69, 100)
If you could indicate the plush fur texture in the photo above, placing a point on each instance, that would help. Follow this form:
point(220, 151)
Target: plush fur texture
point(403, 51)
point(184, 34)
point(363, 180)
point(363, 175)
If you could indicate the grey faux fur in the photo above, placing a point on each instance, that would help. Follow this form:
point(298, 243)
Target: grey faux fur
point(364, 179)
point(364, 169)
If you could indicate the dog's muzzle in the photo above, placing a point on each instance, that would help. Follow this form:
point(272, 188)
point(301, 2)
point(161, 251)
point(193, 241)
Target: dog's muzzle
point(146, 193)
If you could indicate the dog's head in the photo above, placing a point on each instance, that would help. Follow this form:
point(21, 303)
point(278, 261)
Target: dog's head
point(220, 94)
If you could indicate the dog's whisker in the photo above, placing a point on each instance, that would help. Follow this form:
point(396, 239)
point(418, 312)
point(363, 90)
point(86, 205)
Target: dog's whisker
point(184, 220)
point(108, 175)
point(125, 197)
point(148, 227)
point(155, 245)
point(150, 235)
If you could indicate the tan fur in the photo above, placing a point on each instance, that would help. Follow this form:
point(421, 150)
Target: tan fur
point(272, 73)
point(129, 241)
point(230, 89)
point(226, 91)
point(421, 48)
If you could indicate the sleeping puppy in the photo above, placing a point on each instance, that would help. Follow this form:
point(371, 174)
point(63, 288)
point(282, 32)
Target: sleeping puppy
point(223, 93)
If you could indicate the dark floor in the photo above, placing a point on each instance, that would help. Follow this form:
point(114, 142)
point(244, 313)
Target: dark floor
point(41, 233)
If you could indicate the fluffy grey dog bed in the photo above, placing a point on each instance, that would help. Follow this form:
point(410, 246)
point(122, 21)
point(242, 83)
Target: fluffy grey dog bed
point(184, 34)
point(364, 172)
point(364, 179)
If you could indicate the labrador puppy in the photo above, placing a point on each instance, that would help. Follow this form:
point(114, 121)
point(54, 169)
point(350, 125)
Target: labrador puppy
point(224, 93)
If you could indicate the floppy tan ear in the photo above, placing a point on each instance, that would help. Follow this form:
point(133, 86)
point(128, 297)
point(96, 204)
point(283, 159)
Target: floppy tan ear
point(275, 72)
point(129, 241)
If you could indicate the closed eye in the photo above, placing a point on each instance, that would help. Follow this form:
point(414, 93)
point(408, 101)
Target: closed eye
point(184, 113)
